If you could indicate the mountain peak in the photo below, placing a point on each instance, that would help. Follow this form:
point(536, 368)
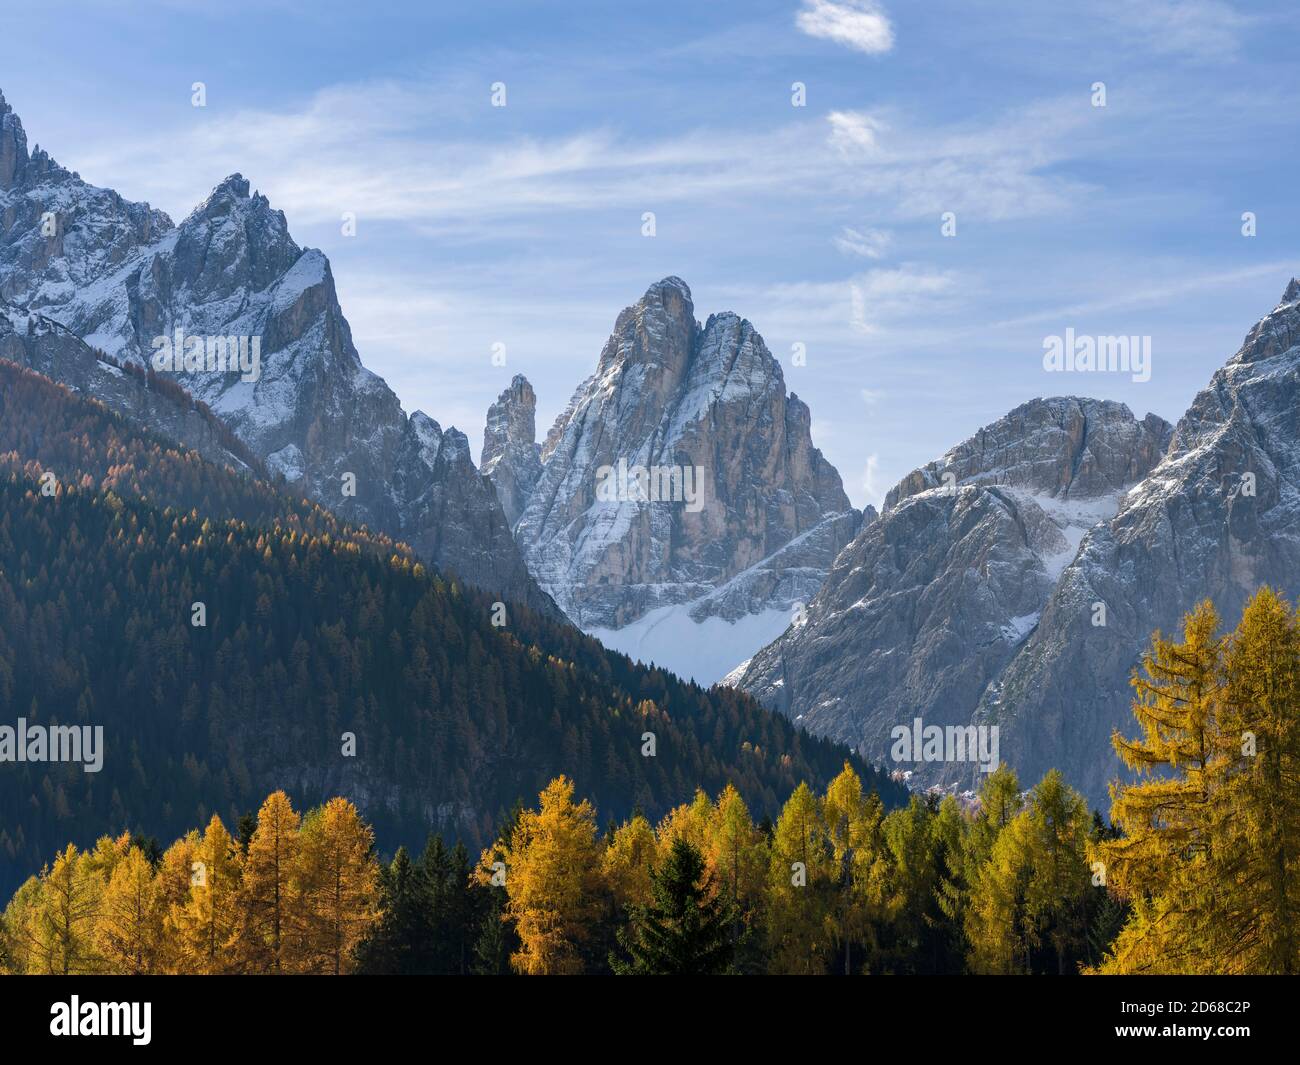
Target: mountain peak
point(1275, 333)
point(684, 401)
point(235, 185)
point(511, 421)
point(672, 296)
point(1062, 446)
point(13, 147)
point(672, 281)
point(511, 456)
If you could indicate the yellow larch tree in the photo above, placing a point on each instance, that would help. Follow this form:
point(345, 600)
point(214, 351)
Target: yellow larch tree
point(1258, 828)
point(64, 922)
point(800, 882)
point(129, 926)
point(736, 855)
point(1211, 862)
point(269, 904)
point(337, 887)
point(209, 923)
point(689, 822)
point(1164, 863)
point(175, 870)
point(627, 863)
point(858, 866)
point(553, 882)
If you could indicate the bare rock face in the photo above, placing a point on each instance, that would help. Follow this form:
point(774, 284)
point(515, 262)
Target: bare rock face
point(1217, 518)
point(511, 456)
point(1061, 448)
point(42, 345)
point(121, 277)
point(924, 611)
point(733, 491)
point(56, 232)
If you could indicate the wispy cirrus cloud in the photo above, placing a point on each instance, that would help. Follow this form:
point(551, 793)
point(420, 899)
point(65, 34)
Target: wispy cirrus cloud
point(1005, 167)
point(883, 297)
point(374, 149)
point(858, 24)
point(864, 243)
point(1197, 29)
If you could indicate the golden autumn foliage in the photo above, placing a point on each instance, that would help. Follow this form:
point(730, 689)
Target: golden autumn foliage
point(1199, 873)
point(553, 882)
point(1209, 859)
point(197, 910)
point(335, 879)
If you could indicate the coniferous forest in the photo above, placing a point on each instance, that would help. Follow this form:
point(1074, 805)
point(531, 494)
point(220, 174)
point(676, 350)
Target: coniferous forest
point(1198, 874)
point(328, 660)
point(324, 643)
point(798, 488)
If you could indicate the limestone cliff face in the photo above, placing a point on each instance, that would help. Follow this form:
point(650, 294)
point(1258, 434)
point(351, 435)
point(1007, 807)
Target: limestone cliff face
point(118, 275)
point(41, 344)
point(928, 607)
point(511, 457)
point(706, 404)
point(1218, 517)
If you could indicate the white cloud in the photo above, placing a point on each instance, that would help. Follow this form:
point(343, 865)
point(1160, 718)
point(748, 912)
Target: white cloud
point(853, 131)
point(1128, 293)
point(871, 484)
point(1197, 29)
point(880, 297)
point(370, 148)
point(857, 24)
point(864, 243)
point(1006, 168)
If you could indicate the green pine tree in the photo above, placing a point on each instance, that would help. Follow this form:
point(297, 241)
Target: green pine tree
point(402, 941)
point(685, 931)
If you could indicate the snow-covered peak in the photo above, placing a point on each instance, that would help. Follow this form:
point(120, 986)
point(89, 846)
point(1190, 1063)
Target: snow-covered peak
point(511, 422)
point(13, 147)
point(1061, 446)
point(120, 276)
point(429, 434)
point(1276, 333)
point(511, 456)
point(673, 283)
point(683, 400)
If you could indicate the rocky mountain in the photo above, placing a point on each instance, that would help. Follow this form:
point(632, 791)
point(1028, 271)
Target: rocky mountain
point(1218, 517)
point(230, 279)
point(511, 456)
point(313, 630)
point(43, 345)
point(932, 602)
point(677, 508)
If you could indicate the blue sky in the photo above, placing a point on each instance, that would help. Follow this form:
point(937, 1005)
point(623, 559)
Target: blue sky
point(522, 224)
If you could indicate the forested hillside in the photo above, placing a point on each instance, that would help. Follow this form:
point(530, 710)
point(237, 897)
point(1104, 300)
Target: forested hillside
point(1199, 876)
point(81, 441)
point(231, 640)
point(835, 885)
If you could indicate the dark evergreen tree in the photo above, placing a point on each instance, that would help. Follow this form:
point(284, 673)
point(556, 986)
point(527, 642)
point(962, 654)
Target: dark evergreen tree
point(149, 847)
point(403, 942)
point(496, 940)
point(686, 930)
point(247, 826)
